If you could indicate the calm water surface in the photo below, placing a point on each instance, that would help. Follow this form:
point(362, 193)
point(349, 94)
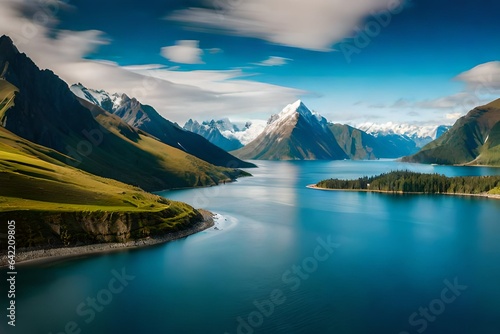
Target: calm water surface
point(392, 256)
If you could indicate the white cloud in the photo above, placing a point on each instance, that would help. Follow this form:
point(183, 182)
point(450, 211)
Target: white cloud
point(183, 52)
point(447, 102)
point(401, 103)
point(176, 95)
point(274, 61)
point(313, 24)
point(484, 78)
point(454, 116)
point(214, 51)
point(482, 86)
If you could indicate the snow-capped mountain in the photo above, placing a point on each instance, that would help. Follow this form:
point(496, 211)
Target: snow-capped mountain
point(211, 131)
point(223, 124)
point(247, 132)
point(146, 118)
point(225, 134)
point(296, 133)
point(109, 102)
point(421, 135)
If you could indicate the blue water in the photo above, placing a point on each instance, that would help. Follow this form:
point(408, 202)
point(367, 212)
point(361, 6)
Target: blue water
point(389, 257)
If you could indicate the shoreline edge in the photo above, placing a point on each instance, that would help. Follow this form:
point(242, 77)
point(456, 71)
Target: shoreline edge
point(484, 195)
point(25, 256)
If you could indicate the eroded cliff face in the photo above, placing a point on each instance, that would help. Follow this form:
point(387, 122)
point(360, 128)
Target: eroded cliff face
point(42, 229)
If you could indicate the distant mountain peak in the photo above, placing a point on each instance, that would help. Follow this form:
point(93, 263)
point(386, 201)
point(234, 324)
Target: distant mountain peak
point(296, 107)
point(296, 133)
point(291, 113)
point(297, 104)
point(428, 132)
point(6, 42)
point(7, 49)
point(109, 102)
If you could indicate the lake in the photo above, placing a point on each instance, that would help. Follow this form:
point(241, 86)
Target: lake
point(288, 259)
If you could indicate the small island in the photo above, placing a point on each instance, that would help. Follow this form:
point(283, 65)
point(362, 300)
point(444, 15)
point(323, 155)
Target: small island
point(407, 182)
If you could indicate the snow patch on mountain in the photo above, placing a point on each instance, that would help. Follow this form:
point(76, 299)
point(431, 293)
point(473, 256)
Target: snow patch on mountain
point(409, 130)
point(247, 132)
point(240, 132)
point(109, 102)
point(289, 115)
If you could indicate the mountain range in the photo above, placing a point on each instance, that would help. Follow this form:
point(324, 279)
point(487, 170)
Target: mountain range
point(421, 135)
point(367, 141)
point(297, 133)
point(212, 132)
point(146, 118)
point(226, 134)
point(294, 134)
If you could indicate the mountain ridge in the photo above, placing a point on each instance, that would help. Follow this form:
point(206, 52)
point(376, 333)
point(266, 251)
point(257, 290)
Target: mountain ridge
point(47, 113)
point(211, 132)
point(465, 142)
point(296, 133)
point(146, 118)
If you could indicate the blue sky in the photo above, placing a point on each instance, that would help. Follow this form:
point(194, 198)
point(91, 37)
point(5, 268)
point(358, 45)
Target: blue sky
point(355, 61)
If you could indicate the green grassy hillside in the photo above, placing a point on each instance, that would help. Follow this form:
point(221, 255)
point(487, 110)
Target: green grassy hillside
point(33, 178)
point(490, 152)
point(463, 143)
point(146, 118)
point(55, 204)
point(140, 159)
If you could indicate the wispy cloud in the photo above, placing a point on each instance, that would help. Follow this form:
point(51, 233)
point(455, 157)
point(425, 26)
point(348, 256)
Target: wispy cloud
point(454, 116)
point(401, 103)
point(484, 77)
point(215, 50)
point(482, 85)
point(313, 24)
point(177, 95)
point(447, 102)
point(274, 61)
point(183, 52)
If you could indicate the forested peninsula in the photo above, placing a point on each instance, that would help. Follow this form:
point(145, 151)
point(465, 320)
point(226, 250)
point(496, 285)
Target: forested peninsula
point(419, 183)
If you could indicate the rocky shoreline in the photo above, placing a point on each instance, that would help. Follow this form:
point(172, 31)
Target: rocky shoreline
point(42, 255)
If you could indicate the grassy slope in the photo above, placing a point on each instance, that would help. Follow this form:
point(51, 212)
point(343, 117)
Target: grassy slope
point(33, 178)
point(7, 94)
point(57, 205)
point(490, 152)
point(171, 134)
point(463, 143)
point(135, 152)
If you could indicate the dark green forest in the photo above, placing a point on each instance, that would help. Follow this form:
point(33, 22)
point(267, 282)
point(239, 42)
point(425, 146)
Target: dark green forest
point(412, 182)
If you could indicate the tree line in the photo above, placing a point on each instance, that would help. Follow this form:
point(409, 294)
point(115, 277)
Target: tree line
point(412, 182)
